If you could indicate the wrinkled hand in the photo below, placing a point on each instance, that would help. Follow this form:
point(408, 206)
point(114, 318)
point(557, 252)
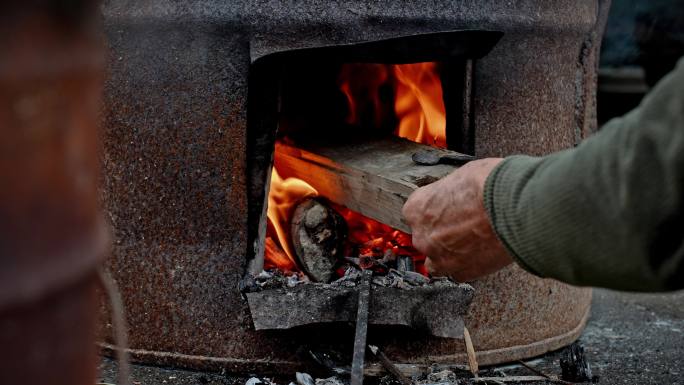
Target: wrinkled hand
point(450, 224)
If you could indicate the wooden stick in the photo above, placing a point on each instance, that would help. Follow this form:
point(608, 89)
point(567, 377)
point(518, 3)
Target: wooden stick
point(387, 364)
point(470, 350)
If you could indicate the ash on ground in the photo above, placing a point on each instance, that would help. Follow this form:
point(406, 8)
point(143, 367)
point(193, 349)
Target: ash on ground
point(435, 375)
point(300, 379)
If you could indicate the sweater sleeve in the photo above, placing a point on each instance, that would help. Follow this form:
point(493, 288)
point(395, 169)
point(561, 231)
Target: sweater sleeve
point(607, 213)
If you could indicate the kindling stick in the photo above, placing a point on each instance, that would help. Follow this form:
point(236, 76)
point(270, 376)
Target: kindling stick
point(470, 351)
point(389, 366)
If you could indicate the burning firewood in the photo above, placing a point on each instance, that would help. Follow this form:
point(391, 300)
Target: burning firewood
point(374, 177)
point(318, 234)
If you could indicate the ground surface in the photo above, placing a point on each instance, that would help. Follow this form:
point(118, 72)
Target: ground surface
point(630, 339)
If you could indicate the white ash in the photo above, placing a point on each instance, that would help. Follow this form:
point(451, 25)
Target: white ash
point(304, 379)
point(274, 278)
point(266, 381)
point(349, 279)
point(253, 381)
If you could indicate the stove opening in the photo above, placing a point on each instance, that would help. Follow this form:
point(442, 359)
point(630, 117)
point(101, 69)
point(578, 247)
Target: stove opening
point(366, 100)
point(350, 123)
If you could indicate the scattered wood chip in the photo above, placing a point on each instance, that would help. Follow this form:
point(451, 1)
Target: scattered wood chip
point(470, 350)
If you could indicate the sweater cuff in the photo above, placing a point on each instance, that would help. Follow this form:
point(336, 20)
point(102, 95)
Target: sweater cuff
point(499, 199)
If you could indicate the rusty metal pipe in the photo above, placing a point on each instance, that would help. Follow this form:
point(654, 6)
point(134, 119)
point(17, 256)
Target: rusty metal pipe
point(51, 234)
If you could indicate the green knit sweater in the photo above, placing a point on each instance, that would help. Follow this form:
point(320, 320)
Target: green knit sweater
point(609, 212)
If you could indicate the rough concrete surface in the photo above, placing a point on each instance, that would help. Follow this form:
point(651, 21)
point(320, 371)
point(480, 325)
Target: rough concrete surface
point(630, 339)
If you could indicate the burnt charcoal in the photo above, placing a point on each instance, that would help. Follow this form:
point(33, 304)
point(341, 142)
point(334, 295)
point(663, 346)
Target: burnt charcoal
point(389, 258)
point(415, 278)
point(318, 233)
point(402, 280)
point(327, 361)
point(350, 278)
point(248, 284)
point(442, 376)
point(368, 262)
point(388, 380)
point(274, 279)
point(405, 263)
point(266, 275)
point(270, 279)
point(442, 281)
point(304, 379)
point(382, 280)
point(354, 262)
point(574, 365)
point(295, 279)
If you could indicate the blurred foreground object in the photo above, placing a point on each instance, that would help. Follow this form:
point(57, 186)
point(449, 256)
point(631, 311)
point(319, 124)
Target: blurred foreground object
point(51, 234)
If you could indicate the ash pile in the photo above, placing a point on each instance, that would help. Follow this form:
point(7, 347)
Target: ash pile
point(532, 372)
point(273, 279)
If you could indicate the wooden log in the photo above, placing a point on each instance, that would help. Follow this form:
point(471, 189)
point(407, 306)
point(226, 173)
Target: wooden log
point(372, 177)
point(317, 234)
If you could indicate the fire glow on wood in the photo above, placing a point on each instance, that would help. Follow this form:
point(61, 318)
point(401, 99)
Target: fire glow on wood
point(420, 113)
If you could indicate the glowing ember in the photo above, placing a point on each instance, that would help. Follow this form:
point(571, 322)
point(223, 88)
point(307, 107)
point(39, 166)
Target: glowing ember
point(372, 238)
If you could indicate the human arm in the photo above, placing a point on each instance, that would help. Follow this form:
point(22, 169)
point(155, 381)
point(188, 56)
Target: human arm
point(607, 213)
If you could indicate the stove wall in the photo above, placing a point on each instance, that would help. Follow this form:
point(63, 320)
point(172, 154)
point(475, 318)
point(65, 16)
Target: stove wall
point(181, 170)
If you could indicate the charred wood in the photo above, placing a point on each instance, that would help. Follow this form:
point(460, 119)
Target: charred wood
point(405, 263)
point(318, 233)
point(574, 365)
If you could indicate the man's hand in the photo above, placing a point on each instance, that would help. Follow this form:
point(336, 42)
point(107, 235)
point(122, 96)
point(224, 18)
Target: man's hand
point(450, 224)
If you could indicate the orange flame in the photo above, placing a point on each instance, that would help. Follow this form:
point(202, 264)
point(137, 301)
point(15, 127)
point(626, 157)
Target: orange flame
point(418, 100)
point(283, 195)
point(419, 104)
